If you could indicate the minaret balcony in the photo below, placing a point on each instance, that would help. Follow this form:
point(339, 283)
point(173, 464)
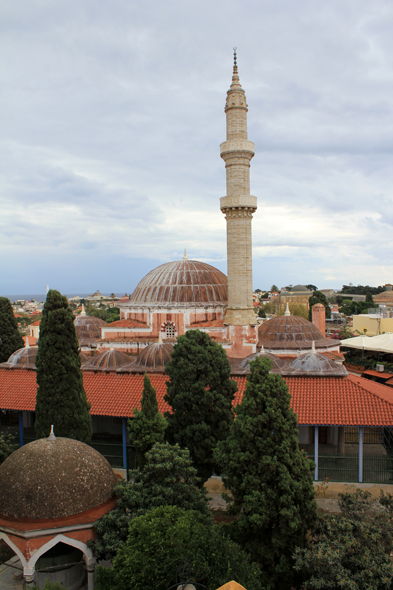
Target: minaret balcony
point(238, 201)
point(237, 146)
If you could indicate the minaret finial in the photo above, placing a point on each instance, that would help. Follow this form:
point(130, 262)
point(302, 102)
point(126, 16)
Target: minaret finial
point(159, 337)
point(27, 345)
point(185, 257)
point(287, 312)
point(52, 434)
point(235, 77)
point(313, 347)
point(83, 310)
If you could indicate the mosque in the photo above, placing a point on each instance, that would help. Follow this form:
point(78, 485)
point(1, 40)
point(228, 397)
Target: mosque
point(187, 294)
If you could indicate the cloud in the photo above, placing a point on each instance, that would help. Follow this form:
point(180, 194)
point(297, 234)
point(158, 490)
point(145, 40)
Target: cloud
point(112, 122)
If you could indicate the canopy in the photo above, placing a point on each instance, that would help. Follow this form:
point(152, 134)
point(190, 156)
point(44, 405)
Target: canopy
point(380, 343)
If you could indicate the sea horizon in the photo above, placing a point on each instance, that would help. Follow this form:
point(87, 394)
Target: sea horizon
point(42, 297)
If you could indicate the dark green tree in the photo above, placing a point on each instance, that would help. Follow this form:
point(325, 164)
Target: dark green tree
point(274, 288)
point(61, 399)
point(10, 337)
point(147, 426)
point(311, 287)
point(168, 479)
point(158, 544)
point(318, 297)
point(351, 550)
point(269, 478)
point(200, 394)
point(7, 446)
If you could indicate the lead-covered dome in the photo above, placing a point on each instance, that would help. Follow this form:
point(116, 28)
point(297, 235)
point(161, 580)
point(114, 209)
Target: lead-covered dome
point(23, 357)
point(155, 356)
point(54, 478)
point(88, 328)
point(184, 283)
point(289, 333)
point(110, 360)
point(314, 364)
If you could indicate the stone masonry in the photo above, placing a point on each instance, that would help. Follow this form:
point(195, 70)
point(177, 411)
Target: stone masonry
point(238, 206)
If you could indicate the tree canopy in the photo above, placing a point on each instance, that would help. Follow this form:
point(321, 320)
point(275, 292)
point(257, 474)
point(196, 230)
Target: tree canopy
point(167, 479)
point(147, 427)
point(351, 550)
point(318, 297)
point(160, 541)
point(7, 446)
point(270, 480)
point(200, 394)
point(10, 337)
point(61, 399)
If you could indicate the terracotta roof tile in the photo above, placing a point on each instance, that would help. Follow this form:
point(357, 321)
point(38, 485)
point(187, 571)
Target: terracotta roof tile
point(349, 401)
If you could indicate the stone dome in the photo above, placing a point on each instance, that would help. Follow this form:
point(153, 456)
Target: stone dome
point(88, 328)
point(155, 356)
point(23, 357)
point(110, 360)
point(84, 358)
point(314, 364)
point(54, 478)
point(183, 283)
point(277, 363)
point(291, 333)
point(299, 289)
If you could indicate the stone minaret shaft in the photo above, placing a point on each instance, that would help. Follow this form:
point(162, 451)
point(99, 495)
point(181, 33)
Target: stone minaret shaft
point(238, 206)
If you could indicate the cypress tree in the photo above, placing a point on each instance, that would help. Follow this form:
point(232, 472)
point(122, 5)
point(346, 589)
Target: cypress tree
point(10, 337)
point(147, 426)
point(200, 393)
point(61, 398)
point(269, 478)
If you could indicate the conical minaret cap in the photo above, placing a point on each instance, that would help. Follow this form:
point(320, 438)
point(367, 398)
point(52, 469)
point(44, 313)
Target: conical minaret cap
point(236, 97)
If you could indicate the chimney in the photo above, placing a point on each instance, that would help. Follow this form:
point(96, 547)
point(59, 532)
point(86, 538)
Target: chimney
point(318, 317)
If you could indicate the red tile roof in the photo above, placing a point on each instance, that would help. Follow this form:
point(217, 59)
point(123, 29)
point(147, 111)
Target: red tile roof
point(350, 401)
point(37, 323)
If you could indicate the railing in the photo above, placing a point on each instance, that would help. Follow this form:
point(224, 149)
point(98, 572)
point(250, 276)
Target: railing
point(376, 468)
point(371, 435)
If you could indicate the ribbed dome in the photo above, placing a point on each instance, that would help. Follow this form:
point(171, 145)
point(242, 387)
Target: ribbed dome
point(277, 363)
point(24, 357)
point(289, 332)
point(155, 356)
point(110, 359)
point(184, 282)
point(54, 478)
point(88, 328)
point(313, 364)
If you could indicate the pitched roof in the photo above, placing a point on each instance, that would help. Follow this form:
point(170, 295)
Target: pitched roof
point(349, 401)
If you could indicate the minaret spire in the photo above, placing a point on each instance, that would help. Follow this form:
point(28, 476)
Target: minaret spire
point(238, 206)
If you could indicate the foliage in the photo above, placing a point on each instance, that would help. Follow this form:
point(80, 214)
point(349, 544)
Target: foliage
point(158, 544)
point(318, 297)
point(270, 479)
point(274, 288)
point(296, 309)
point(106, 313)
point(200, 394)
point(168, 479)
point(362, 290)
point(10, 337)
point(147, 426)
point(311, 287)
point(261, 313)
point(353, 307)
point(7, 446)
point(50, 586)
point(61, 399)
point(351, 550)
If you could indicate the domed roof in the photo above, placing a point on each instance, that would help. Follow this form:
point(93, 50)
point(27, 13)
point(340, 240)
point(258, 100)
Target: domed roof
point(155, 356)
point(54, 478)
point(84, 358)
point(291, 333)
point(299, 289)
point(88, 328)
point(313, 364)
point(110, 359)
point(277, 363)
point(184, 282)
point(23, 357)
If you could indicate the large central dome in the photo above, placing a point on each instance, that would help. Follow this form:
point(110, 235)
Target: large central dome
point(183, 282)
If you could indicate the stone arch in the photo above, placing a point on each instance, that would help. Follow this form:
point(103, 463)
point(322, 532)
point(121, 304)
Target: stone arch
point(12, 545)
point(168, 329)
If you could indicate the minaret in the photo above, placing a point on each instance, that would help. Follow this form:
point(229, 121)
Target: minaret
point(238, 206)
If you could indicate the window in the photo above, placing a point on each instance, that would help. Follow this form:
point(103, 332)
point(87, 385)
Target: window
point(169, 331)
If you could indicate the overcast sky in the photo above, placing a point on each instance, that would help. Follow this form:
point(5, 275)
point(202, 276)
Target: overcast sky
point(113, 112)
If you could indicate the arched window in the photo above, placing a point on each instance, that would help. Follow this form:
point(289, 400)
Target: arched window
point(169, 331)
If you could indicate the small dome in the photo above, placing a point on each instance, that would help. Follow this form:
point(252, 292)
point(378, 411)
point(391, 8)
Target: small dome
point(313, 364)
point(184, 283)
point(277, 363)
point(84, 358)
point(155, 356)
point(24, 357)
point(88, 328)
point(291, 333)
point(54, 478)
point(110, 359)
point(299, 289)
